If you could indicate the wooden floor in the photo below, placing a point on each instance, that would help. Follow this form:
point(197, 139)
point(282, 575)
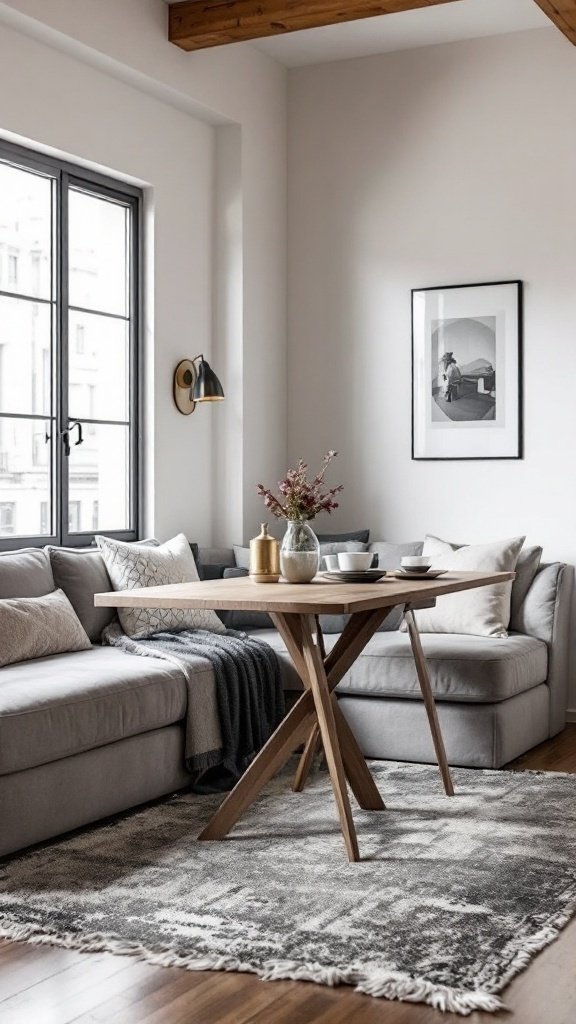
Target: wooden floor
point(45, 985)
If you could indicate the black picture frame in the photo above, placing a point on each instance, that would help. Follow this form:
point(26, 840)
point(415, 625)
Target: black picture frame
point(512, 444)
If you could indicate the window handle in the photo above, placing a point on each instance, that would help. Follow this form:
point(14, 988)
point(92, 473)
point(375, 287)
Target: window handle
point(65, 435)
point(80, 434)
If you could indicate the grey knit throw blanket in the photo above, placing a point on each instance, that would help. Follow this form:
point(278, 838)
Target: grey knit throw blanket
point(235, 696)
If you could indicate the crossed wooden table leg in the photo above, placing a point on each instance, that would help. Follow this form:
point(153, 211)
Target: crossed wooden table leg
point(316, 715)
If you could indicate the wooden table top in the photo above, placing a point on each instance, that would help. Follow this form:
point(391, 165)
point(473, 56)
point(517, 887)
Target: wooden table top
point(321, 597)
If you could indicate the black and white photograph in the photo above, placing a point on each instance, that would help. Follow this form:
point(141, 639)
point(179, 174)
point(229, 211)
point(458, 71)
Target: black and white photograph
point(463, 369)
point(466, 379)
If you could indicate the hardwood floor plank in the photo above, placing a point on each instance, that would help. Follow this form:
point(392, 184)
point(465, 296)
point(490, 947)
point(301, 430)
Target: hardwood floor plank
point(31, 966)
point(62, 996)
point(160, 987)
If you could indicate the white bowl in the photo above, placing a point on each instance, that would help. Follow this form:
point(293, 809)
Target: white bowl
point(416, 562)
point(358, 560)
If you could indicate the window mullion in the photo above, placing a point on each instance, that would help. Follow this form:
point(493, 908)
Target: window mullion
point(62, 338)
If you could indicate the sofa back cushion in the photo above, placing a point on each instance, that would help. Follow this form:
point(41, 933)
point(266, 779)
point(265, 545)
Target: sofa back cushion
point(36, 627)
point(81, 573)
point(526, 568)
point(25, 573)
point(537, 614)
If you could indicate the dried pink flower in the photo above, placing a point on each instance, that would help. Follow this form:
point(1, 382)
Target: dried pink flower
point(304, 500)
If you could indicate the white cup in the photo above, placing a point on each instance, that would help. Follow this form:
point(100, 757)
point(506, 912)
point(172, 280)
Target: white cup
point(416, 562)
point(331, 562)
point(355, 560)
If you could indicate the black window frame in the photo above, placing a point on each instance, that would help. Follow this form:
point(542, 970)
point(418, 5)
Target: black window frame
point(66, 175)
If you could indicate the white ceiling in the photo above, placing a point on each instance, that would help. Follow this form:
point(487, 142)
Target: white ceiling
point(446, 23)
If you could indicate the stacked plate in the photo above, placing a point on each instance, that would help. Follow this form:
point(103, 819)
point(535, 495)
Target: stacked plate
point(355, 575)
point(421, 573)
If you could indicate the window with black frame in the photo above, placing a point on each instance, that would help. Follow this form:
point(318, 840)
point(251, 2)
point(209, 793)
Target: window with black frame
point(69, 268)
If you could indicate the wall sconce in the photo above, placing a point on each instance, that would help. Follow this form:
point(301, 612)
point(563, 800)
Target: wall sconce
point(195, 381)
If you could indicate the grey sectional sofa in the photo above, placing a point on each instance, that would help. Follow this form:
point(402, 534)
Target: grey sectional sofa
point(87, 734)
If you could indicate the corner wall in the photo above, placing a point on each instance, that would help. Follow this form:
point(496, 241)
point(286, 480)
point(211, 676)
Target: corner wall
point(451, 164)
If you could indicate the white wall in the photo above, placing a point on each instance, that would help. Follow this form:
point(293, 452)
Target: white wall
point(99, 81)
point(436, 166)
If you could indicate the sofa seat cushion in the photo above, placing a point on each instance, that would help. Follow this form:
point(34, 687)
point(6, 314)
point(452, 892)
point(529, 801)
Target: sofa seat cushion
point(475, 669)
point(58, 706)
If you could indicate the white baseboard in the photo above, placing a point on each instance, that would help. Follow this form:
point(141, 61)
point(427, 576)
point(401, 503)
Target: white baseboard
point(571, 715)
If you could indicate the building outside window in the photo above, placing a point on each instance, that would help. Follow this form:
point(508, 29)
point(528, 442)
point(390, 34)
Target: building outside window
point(68, 352)
point(7, 510)
point(12, 270)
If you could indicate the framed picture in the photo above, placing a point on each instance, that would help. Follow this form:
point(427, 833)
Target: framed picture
point(467, 371)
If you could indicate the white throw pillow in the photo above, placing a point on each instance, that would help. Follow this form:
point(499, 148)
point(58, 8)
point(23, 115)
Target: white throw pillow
point(481, 612)
point(131, 566)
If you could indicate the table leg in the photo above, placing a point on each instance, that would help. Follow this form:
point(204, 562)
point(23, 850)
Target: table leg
point(312, 743)
point(355, 637)
point(307, 759)
point(328, 731)
point(357, 771)
point(274, 754)
point(429, 703)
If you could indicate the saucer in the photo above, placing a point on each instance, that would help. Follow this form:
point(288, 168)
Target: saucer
point(354, 575)
point(418, 574)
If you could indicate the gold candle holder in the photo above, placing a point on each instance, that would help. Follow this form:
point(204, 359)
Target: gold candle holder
point(264, 557)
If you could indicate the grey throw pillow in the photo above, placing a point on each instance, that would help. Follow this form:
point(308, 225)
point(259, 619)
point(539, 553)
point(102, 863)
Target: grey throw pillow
point(130, 566)
point(36, 627)
point(242, 557)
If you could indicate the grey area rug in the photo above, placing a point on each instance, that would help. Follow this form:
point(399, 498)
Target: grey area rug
point(452, 899)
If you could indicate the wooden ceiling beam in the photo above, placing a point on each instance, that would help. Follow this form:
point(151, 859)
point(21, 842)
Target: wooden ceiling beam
point(563, 14)
point(197, 24)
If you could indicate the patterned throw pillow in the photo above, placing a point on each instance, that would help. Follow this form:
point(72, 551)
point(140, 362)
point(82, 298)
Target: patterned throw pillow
point(37, 627)
point(130, 566)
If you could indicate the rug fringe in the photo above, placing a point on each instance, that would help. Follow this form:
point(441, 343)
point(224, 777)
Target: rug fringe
point(383, 984)
point(527, 948)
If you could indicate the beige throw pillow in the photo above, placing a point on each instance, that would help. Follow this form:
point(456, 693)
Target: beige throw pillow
point(131, 566)
point(481, 612)
point(35, 627)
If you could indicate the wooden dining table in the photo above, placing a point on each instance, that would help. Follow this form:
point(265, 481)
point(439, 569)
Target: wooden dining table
point(316, 716)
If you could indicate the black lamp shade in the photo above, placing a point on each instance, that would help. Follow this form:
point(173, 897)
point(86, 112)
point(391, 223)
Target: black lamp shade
point(207, 387)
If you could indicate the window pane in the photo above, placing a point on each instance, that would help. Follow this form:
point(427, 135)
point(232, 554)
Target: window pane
point(25, 232)
point(99, 481)
point(25, 357)
point(98, 359)
point(98, 253)
point(25, 478)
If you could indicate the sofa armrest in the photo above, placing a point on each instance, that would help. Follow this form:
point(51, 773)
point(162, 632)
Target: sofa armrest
point(545, 614)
